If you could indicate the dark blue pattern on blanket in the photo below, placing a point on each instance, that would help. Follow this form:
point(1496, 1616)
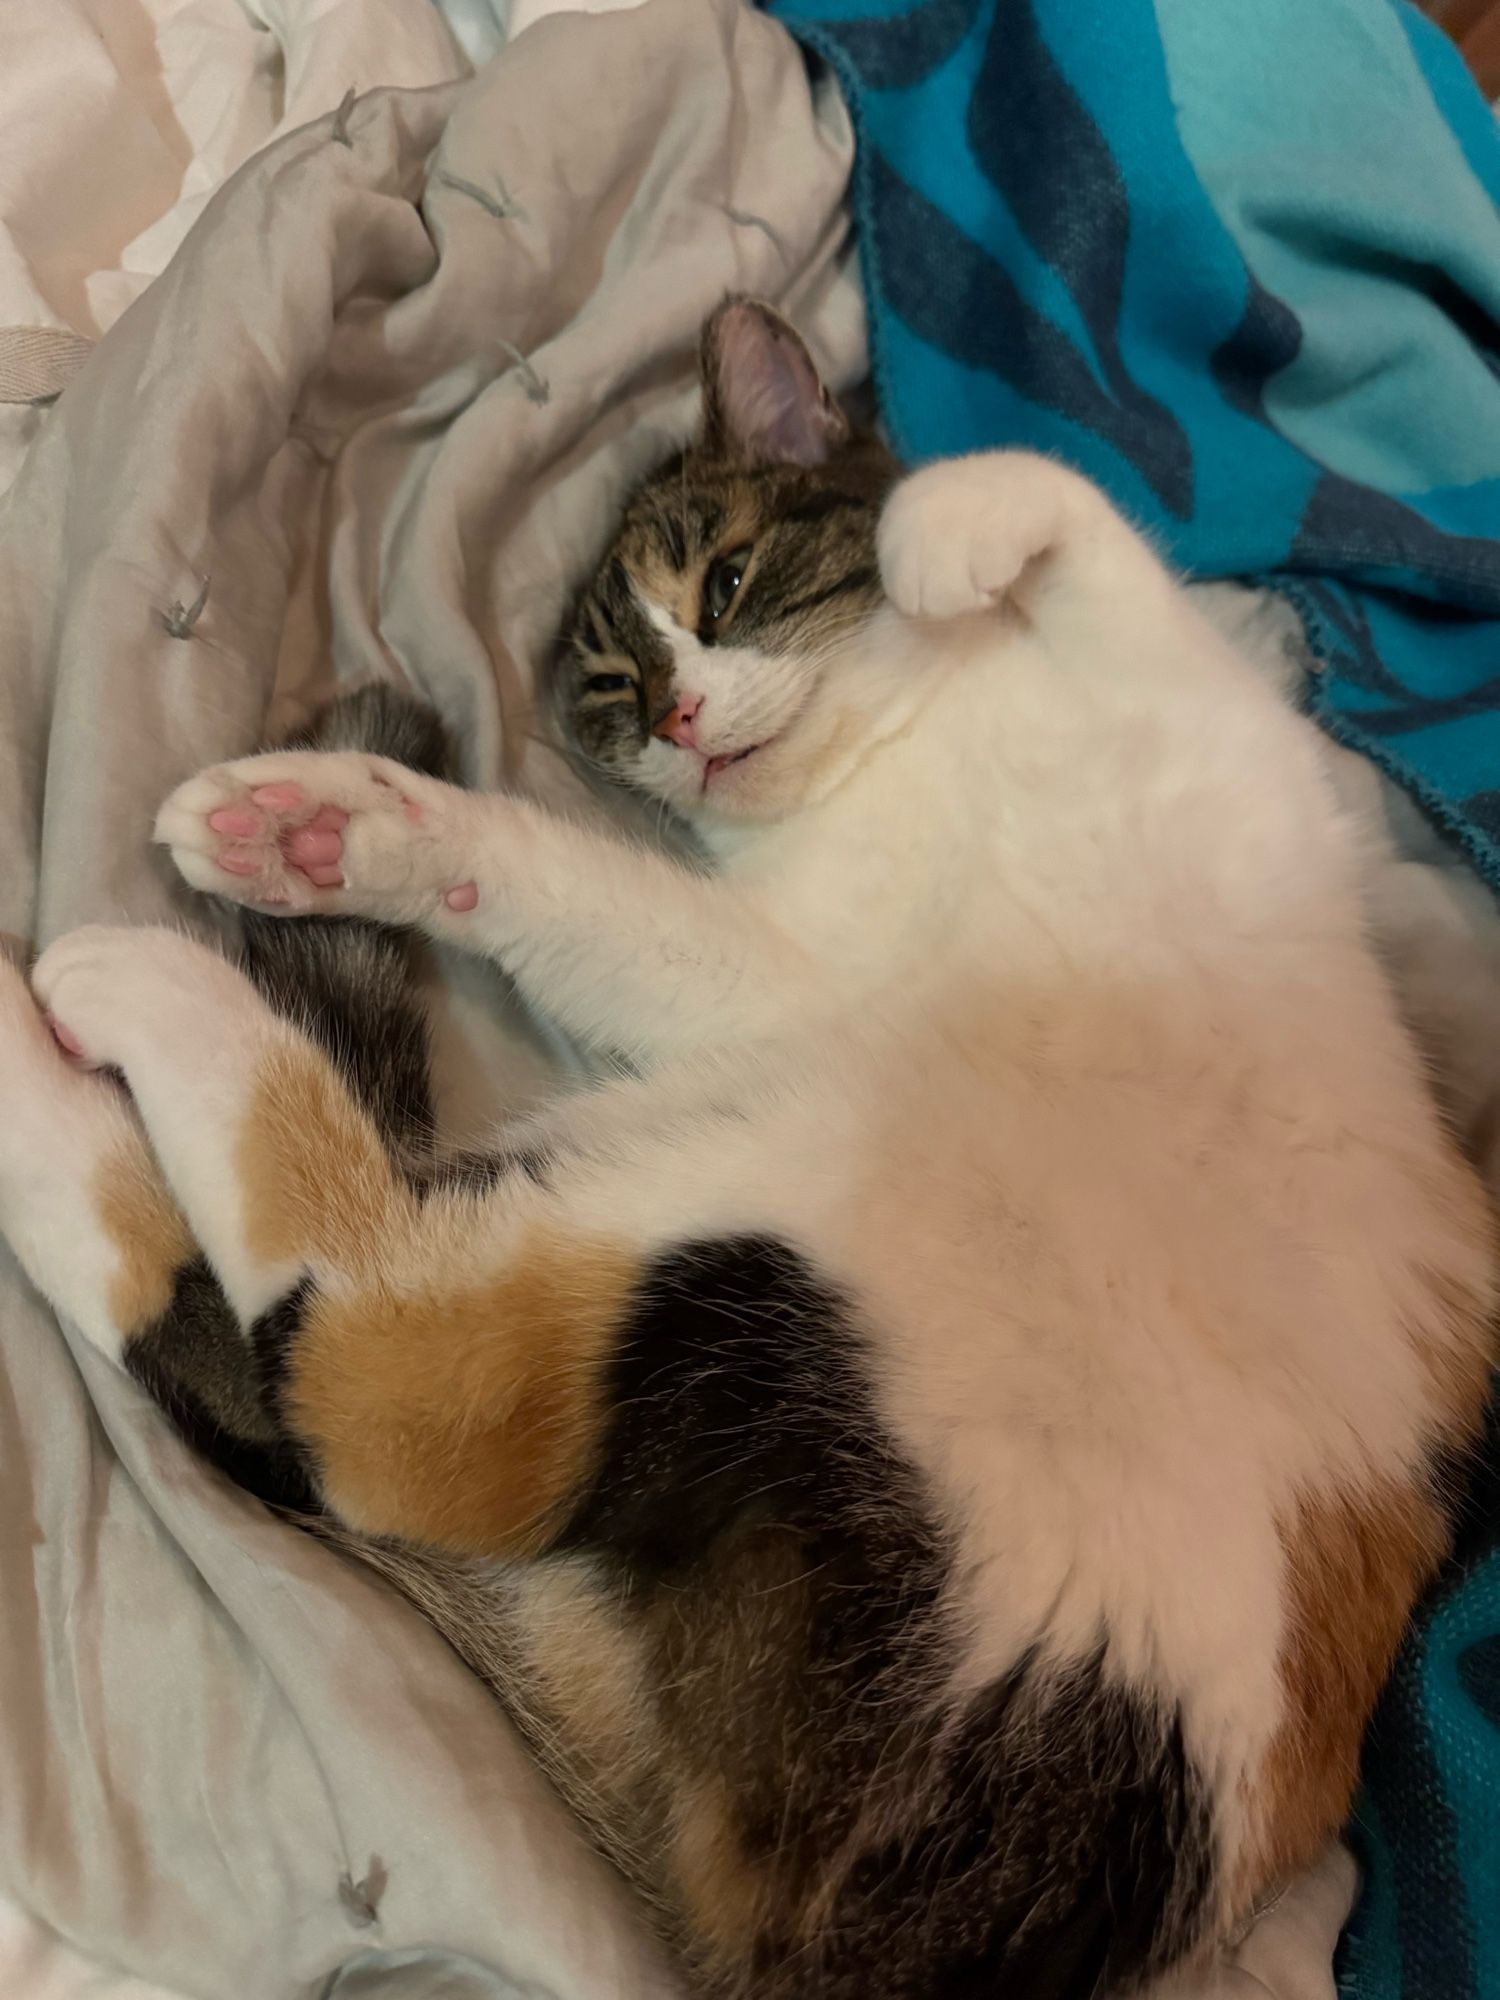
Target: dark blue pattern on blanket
point(1168, 241)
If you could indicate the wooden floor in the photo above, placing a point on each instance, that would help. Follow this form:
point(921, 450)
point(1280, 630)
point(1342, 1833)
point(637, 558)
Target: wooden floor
point(1475, 26)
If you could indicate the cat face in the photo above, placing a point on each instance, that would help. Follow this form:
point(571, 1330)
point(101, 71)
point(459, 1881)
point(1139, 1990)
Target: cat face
point(709, 663)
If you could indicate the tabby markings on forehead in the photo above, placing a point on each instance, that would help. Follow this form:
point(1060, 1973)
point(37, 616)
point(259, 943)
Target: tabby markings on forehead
point(673, 532)
point(820, 506)
point(865, 578)
point(662, 619)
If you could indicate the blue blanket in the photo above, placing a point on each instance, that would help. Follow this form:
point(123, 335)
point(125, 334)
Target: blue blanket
point(1239, 260)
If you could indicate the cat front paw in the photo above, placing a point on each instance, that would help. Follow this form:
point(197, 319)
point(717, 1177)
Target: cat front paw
point(956, 537)
point(334, 832)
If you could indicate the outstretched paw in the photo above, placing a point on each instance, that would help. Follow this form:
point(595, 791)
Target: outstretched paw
point(338, 832)
point(956, 537)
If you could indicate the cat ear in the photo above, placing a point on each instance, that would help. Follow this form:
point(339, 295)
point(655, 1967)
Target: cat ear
point(763, 399)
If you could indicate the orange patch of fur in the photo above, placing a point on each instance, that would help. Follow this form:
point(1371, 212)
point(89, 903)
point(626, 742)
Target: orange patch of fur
point(136, 1211)
point(449, 1403)
point(720, 1890)
point(1356, 1564)
point(463, 1415)
point(587, 1665)
point(317, 1180)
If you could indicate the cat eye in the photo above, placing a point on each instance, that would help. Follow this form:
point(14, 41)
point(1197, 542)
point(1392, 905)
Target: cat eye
point(607, 683)
point(721, 585)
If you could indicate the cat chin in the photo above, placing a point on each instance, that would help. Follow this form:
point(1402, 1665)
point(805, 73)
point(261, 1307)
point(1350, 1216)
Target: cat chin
point(762, 783)
point(739, 804)
point(747, 788)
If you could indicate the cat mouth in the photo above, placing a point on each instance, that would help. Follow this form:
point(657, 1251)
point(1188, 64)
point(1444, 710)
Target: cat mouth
point(712, 766)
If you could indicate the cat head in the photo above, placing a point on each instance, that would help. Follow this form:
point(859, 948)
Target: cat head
point(708, 663)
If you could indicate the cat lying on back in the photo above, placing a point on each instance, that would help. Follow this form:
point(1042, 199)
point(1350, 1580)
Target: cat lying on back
point(942, 1456)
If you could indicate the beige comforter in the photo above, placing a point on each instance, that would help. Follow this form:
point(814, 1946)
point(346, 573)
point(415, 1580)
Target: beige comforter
point(381, 406)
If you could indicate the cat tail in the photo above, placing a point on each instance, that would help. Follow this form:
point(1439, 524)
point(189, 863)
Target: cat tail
point(352, 985)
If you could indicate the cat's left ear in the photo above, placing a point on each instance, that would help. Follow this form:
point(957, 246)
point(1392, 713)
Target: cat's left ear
point(763, 399)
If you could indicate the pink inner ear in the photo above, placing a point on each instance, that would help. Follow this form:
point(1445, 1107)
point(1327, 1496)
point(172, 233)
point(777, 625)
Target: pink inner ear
point(774, 407)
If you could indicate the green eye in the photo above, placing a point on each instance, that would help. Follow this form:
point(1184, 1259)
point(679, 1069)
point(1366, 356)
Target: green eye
point(722, 583)
point(607, 683)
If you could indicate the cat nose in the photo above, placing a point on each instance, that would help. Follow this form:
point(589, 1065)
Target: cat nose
point(677, 724)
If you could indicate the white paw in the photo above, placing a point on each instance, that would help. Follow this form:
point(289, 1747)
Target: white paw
point(62, 1134)
point(110, 990)
point(48, 1110)
point(956, 536)
point(334, 831)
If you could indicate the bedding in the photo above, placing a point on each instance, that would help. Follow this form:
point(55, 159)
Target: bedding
point(373, 420)
point(121, 118)
point(383, 399)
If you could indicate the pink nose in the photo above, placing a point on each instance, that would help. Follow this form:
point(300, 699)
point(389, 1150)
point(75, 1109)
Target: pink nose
point(677, 724)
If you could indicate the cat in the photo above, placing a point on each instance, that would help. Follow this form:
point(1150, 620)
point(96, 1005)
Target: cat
point(941, 1447)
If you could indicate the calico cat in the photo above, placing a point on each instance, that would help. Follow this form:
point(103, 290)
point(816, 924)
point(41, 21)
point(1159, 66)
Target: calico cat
point(940, 1454)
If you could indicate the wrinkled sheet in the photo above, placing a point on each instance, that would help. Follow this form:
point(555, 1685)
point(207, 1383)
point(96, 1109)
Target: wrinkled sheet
point(386, 398)
point(122, 117)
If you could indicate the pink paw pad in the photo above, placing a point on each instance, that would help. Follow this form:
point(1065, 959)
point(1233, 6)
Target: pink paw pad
point(65, 1039)
point(464, 897)
point(316, 847)
point(312, 847)
point(279, 798)
point(241, 822)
